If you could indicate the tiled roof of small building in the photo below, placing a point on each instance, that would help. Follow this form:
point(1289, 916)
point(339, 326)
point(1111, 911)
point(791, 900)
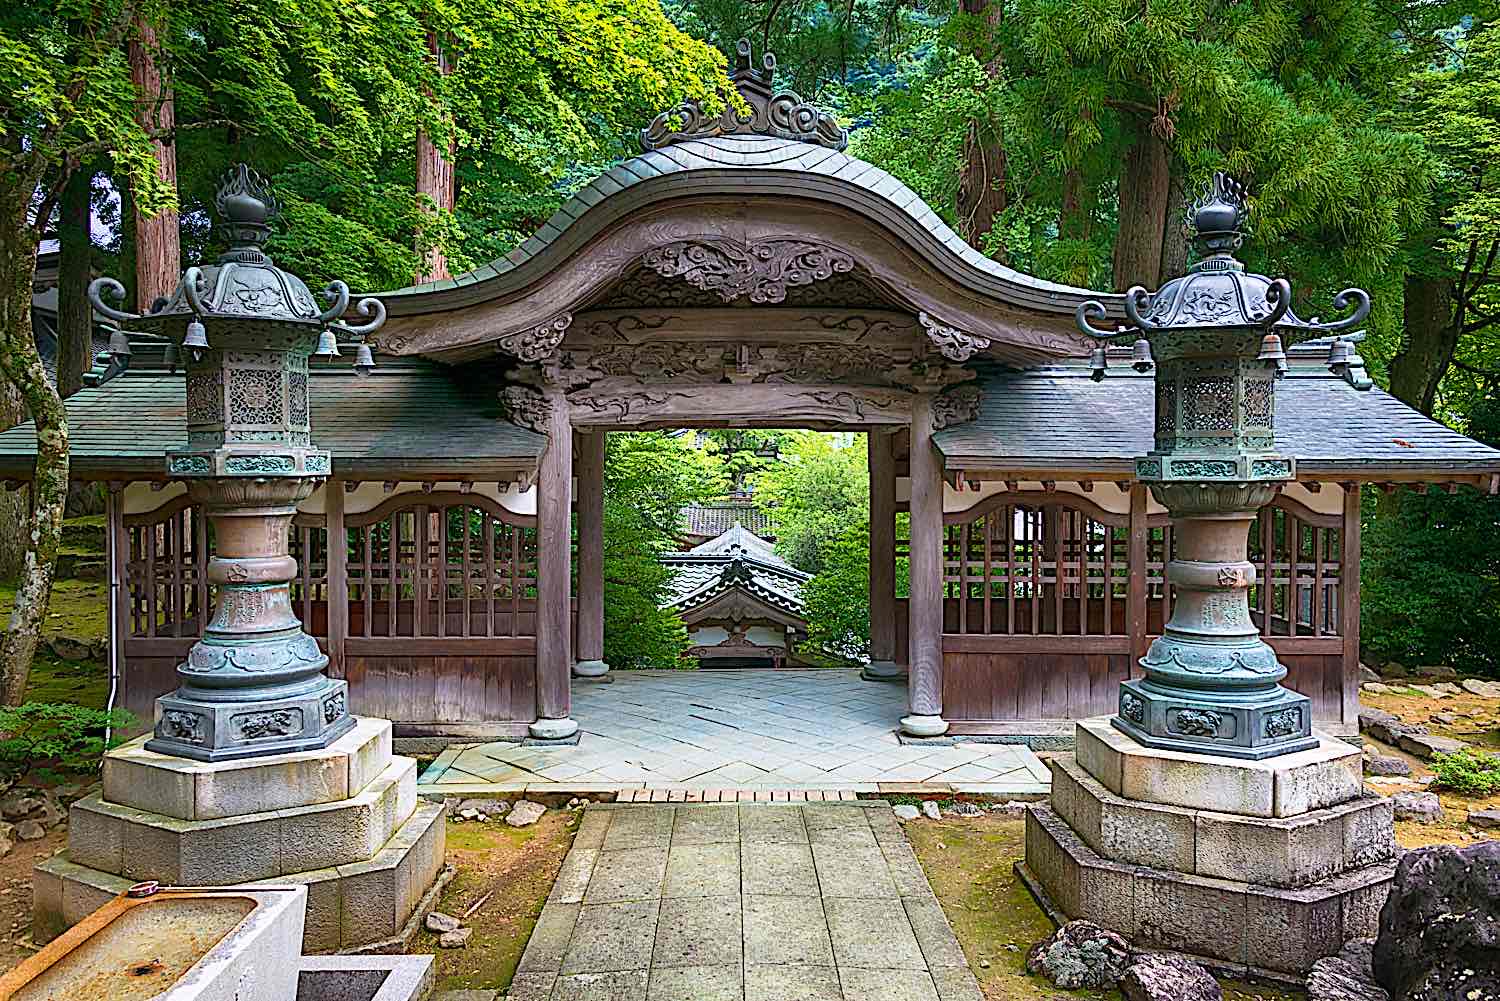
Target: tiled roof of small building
point(712, 520)
point(406, 417)
point(1056, 416)
point(736, 559)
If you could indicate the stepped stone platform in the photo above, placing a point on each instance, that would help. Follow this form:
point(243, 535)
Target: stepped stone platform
point(1256, 868)
point(345, 821)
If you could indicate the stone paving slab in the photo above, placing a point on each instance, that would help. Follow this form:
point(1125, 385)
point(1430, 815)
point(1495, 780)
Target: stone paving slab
point(742, 902)
point(680, 732)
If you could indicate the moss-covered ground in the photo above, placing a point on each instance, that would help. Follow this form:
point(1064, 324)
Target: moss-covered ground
point(970, 863)
point(507, 872)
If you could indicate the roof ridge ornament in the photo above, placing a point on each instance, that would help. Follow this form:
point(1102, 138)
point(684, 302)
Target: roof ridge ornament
point(778, 114)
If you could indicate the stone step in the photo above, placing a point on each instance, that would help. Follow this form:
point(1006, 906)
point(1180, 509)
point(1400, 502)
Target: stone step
point(1237, 928)
point(682, 795)
point(1274, 851)
point(204, 790)
point(1283, 786)
point(348, 906)
point(138, 845)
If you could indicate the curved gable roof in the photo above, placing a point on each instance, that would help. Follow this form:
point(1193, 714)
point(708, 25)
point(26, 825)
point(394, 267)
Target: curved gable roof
point(743, 166)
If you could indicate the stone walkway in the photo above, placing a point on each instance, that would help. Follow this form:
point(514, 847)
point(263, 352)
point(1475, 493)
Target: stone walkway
point(816, 729)
point(754, 902)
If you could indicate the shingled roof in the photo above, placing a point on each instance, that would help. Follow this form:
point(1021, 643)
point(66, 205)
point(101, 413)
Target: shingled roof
point(408, 417)
point(706, 521)
point(1057, 417)
point(735, 559)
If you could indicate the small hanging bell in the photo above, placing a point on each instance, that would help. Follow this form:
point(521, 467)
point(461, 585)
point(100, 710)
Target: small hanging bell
point(328, 345)
point(119, 345)
point(170, 356)
point(196, 340)
point(364, 360)
point(1140, 356)
point(1273, 354)
point(1097, 364)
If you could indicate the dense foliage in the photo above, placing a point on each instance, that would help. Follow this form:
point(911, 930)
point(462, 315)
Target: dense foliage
point(45, 740)
point(648, 478)
point(816, 492)
point(838, 597)
point(1470, 772)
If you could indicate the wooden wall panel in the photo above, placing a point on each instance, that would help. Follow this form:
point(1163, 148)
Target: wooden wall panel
point(981, 687)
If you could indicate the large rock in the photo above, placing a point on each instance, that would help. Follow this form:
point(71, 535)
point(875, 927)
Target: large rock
point(1080, 954)
point(1429, 745)
point(1386, 727)
point(1160, 976)
point(1367, 674)
point(1484, 689)
point(1440, 928)
point(1487, 819)
point(1386, 764)
point(1435, 671)
point(1347, 976)
point(1424, 807)
point(525, 813)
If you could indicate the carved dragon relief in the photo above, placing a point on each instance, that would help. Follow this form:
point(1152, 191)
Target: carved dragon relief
point(955, 344)
point(958, 405)
point(761, 271)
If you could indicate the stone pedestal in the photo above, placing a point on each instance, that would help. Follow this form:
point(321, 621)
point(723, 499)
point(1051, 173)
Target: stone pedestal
point(343, 820)
point(1254, 867)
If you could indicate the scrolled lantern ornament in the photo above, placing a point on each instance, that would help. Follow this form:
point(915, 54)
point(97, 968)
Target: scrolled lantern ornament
point(254, 684)
point(1218, 338)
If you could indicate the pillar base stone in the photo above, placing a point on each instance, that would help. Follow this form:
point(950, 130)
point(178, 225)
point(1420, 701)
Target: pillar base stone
point(345, 821)
point(215, 730)
point(1257, 868)
point(924, 726)
point(883, 670)
point(590, 669)
point(553, 729)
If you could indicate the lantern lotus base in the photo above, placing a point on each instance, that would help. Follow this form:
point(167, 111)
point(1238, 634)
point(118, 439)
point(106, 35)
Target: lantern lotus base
point(192, 724)
point(1262, 723)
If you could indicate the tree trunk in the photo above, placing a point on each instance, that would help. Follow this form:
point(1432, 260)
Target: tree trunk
point(75, 318)
point(22, 368)
point(158, 252)
point(1174, 243)
point(981, 180)
point(1431, 338)
point(1145, 182)
point(434, 180)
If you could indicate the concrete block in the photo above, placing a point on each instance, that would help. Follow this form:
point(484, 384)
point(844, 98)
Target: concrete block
point(1369, 831)
point(394, 978)
point(347, 907)
point(201, 790)
point(1275, 851)
point(1289, 930)
point(1283, 786)
point(139, 845)
point(1119, 830)
point(46, 906)
point(1193, 914)
point(1052, 858)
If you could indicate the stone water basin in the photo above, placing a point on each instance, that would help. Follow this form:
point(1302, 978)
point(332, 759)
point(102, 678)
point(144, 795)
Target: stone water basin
point(174, 945)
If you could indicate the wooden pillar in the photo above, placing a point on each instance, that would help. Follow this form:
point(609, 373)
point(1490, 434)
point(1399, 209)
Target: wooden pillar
point(590, 662)
point(1135, 583)
point(337, 591)
point(882, 465)
point(925, 670)
point(1349, 574)
point(554, 520)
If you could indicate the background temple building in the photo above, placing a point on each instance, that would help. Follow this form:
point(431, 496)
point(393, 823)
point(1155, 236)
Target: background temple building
point(745, 272)
point(742, 604)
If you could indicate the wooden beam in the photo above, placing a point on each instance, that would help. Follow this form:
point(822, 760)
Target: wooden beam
point(925, 609)
point(1135, 589)
point(554, 628)
point(882, 467)
point(338, 582)
point(590, 501)
point(1349, 573)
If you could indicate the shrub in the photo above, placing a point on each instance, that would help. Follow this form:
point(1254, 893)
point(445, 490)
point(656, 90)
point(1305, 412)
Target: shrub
point(838, 597)
point(50, 738)
point(1467, 772)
